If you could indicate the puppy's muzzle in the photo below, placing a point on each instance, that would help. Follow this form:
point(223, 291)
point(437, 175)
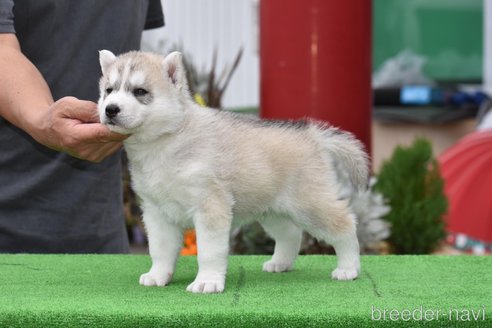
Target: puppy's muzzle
point(112, 111)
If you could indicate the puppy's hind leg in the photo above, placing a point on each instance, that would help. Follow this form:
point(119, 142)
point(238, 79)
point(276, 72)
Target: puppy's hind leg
point(347, 249)
point(330, 220)
point(288, 237)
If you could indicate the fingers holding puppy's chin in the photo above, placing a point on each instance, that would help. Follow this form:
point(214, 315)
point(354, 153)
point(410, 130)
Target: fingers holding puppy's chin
point(90, 141)
point(103, 133)
point(116, 133)
point(116, 136)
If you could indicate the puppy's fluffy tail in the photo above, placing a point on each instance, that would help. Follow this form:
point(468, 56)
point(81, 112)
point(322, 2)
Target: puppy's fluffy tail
point(349, 157)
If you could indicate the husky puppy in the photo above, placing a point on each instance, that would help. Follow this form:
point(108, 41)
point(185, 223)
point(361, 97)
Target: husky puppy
point(194, 166)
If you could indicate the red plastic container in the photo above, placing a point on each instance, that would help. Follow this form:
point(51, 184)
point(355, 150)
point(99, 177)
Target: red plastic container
point(315, 61)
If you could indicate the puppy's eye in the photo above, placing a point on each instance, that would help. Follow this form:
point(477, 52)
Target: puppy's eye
point(139, 92)
point(109, 90)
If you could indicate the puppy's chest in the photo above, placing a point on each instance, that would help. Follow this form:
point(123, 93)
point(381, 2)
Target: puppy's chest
point(168, 182)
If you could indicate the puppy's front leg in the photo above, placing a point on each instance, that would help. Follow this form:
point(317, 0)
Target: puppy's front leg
point(212, 226)
point(165, 241)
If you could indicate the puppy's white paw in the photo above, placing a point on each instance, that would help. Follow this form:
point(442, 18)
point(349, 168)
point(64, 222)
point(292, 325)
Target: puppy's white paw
point(344, 274)
point(155, 279)
point(206, 286)
point(275, 266)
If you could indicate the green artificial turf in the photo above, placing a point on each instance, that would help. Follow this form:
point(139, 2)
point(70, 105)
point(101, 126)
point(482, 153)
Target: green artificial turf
point(103, 291)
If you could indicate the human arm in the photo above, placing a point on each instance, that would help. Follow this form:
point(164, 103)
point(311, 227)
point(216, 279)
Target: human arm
point(69, 124)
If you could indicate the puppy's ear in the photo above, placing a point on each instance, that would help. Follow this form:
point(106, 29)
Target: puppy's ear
point(175, 71)
point(106, 58)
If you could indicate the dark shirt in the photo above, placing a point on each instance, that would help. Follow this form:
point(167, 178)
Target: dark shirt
point(51, 202)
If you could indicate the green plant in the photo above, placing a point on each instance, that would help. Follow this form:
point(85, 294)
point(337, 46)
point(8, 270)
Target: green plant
point(411, 182)
point(208, 87)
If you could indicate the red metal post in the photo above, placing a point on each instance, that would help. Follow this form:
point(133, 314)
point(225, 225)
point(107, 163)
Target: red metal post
point(315, 61)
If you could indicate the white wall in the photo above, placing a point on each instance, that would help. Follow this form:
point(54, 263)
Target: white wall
point(201, 25)
point(487, 43)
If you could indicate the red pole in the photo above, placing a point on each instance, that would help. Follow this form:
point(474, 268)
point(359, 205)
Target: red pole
point(316, 62)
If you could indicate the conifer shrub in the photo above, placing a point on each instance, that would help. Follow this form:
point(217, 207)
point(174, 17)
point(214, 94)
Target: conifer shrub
point(412, 184)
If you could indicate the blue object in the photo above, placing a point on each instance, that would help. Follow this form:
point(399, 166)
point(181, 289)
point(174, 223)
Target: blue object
point(421, 95)
point(415, 95)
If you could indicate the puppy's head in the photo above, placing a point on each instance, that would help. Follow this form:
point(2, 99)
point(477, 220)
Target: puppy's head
point(142, 93)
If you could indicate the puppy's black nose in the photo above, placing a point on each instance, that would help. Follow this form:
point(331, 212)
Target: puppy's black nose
point(112, 111)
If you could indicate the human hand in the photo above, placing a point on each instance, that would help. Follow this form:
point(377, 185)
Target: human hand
point(71, 125)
